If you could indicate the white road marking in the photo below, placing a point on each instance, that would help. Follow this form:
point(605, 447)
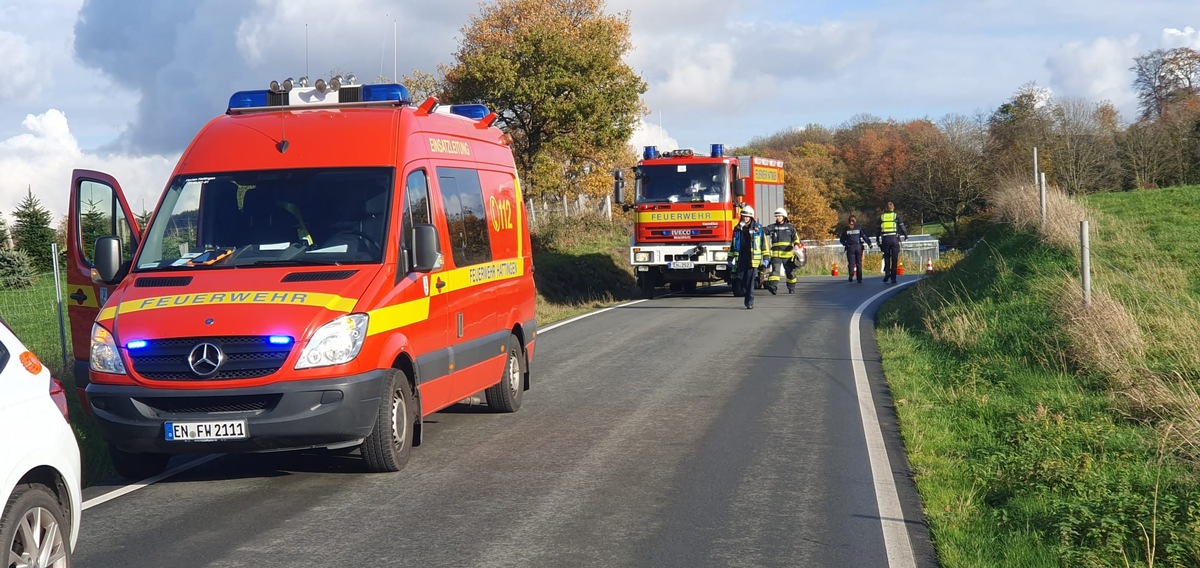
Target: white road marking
point(891, 516)
point(587, 315)
point(148, 481)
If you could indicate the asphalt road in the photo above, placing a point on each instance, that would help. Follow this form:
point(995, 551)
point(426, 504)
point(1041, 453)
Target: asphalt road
point(683, 431)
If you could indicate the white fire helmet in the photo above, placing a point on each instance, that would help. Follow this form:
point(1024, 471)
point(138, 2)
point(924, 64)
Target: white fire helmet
point(748, 210)
point(781, 211)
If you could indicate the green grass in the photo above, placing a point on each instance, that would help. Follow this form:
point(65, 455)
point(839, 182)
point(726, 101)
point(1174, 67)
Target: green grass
point(1020, 459)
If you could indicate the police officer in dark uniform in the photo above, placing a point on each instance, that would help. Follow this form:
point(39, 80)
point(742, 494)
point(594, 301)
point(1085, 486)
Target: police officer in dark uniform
point(854, 238)
point(891, 230)
point(784, 239)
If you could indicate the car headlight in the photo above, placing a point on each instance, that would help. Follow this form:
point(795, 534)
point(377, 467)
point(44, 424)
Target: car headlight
point(643, 256)
point(721, 256)
point(334, 343)
point(105, 357)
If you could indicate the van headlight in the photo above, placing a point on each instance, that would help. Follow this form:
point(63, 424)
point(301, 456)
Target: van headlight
point(721, 256)
point(105, 357)
point(334, 343)
point(643, 256)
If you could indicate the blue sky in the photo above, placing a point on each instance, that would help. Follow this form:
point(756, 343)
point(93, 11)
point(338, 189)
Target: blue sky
point(122, 85)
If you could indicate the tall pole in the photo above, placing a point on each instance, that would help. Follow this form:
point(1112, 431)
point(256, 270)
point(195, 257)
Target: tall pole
point(1043, 199)
point(1085, 263)
point(62, 332)
point(1035, 166)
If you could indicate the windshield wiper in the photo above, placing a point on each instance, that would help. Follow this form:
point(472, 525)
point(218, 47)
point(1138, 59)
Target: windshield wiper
point(291, 262)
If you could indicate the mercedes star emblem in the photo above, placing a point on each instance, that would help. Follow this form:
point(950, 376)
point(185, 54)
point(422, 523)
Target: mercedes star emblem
point(205, 359)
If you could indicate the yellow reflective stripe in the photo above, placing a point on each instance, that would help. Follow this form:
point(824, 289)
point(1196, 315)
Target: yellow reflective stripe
point(520, 217)
point(332, 302)
point(475, 275)
point(389, 318)
point(684, 216)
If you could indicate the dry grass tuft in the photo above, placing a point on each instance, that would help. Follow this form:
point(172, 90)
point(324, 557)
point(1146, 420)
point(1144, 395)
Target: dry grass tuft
point(1019, 204)
point(951, 319)
point(1102, 337)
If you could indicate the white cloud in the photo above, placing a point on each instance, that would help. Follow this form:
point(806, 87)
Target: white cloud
point(21, 68)
point(41, 160)
point(1096, 70)
point(1187, 37)
point(647, 134)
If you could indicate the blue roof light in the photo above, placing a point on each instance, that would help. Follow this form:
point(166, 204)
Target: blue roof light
point(718, 151)
point(474, 111)
point(248, 99)
point(280, 340)
point(386, 92)
point(136, 344)
point(650, 153)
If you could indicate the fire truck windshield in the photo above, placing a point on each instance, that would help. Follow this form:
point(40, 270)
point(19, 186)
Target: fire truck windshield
point(262, 218)
point(675, 183)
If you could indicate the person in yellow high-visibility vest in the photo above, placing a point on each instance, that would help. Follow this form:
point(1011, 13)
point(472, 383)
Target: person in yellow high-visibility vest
point(746, 255)
point(891, 230)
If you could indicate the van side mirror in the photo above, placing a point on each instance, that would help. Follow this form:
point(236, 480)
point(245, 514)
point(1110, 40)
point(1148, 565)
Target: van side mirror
point(619, 186)
point(739, 187)
point(425, 248)
point(106, 266)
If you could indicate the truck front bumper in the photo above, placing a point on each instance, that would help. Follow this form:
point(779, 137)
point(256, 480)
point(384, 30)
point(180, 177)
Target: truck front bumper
point(281, 416)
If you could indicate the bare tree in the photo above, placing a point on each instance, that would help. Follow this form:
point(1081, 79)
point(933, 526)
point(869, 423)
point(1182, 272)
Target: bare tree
point(1146, 155)
point(1083, 147)
point(1163, 77)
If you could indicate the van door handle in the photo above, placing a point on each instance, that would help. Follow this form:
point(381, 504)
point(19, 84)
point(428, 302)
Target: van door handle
point(440, 284)
point(78, 296)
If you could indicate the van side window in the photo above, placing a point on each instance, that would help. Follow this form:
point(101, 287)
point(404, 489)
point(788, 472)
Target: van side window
point(465, 220)
point(416, 211)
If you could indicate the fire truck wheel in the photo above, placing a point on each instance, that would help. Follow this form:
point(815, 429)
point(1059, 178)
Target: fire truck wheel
point(137, 466)
point(506, 395)
point(389, 443)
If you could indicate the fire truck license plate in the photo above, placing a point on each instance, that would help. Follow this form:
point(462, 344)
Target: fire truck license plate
point(682, 264)
point(205, 431)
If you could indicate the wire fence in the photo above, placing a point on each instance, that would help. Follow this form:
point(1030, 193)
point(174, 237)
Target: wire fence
point(562, 207)
point(33, 315)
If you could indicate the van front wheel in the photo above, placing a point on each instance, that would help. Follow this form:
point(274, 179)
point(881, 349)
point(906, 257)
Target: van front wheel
point(506, 395)
point(389, 443)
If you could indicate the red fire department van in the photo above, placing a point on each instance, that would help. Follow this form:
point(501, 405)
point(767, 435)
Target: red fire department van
point(327, 265)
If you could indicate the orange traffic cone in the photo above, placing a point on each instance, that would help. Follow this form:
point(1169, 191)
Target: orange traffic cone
point(929, 266)
point(833, 271)
point(899, 268)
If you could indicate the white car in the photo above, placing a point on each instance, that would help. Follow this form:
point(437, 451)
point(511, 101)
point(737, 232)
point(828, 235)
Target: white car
point(39, 463)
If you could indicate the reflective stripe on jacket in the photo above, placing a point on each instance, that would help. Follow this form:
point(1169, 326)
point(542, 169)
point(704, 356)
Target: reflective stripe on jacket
point(784, 239)
point(887, 223)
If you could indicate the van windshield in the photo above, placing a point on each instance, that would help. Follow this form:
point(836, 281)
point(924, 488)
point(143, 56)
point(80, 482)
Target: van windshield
point(683, 183)
point(263, 218)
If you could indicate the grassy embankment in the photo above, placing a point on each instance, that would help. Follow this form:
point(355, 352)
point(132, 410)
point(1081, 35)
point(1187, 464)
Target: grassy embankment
point(1041, 432)
point(580, 265)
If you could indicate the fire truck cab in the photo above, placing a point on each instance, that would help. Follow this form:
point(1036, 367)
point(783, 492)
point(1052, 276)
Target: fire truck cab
point(686, 208)
point(326, 266)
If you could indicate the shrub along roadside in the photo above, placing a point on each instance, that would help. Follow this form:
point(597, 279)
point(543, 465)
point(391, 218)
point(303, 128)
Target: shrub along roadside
point(1027, 448)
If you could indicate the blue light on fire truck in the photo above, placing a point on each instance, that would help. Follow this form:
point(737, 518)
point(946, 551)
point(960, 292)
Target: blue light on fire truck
point(279, 340)
point(718, 151)
point(650, 153)
point(474, 112)
point(248, 99)
point(136, 344)
point(386, 92)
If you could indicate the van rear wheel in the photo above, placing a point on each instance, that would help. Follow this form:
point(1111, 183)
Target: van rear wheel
point(388, 445)
point(506, 395)
point(137, 466)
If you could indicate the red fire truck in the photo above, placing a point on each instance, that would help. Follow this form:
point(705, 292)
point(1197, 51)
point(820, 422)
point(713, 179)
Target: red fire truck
point(686, 207)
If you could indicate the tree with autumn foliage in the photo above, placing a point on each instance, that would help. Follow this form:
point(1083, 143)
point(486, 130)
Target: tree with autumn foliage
point(553, 71)
point(875, 153)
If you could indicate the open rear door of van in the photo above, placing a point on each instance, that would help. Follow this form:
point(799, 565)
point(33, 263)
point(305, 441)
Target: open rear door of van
point(98, 208)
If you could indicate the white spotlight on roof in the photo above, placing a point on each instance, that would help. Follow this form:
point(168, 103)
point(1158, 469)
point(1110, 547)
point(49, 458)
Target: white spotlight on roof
point(320, 85)
point(303, 82)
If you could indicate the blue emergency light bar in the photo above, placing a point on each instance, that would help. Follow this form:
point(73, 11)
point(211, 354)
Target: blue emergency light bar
point(136, 344)
point(387, 92)
point(650, 153)
point(474, 112)
point(280, 340)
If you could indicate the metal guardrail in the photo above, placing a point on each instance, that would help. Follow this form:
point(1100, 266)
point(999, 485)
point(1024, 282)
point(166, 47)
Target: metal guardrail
point(914, 252)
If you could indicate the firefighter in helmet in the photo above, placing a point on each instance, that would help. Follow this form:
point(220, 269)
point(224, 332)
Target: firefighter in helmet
point(746, 255)
point(784, 240)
